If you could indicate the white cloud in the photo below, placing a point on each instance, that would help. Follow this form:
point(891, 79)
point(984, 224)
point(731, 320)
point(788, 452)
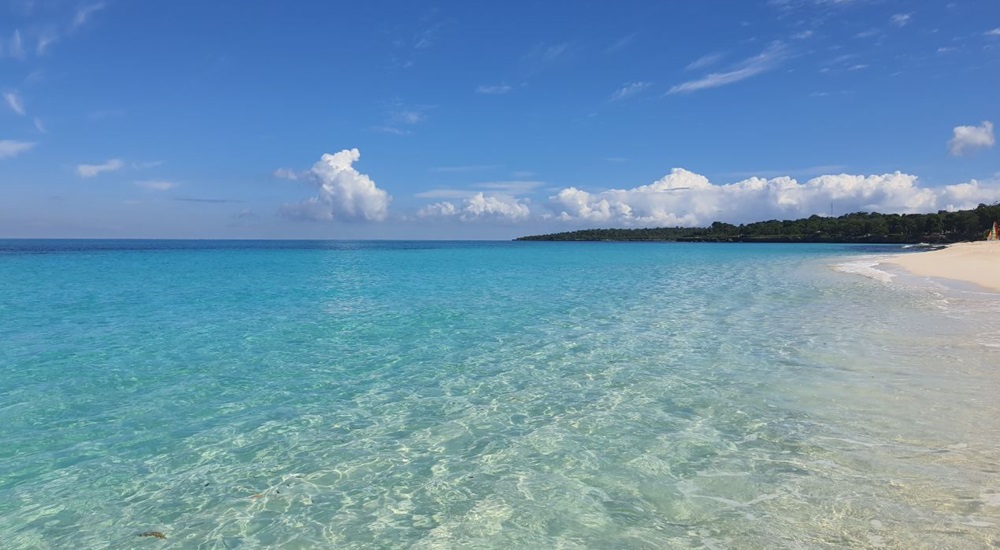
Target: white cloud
point(481, 207)
point(762, 62)
point(621, 43)
point(344, 193)
point(12, 48)
point(156, 185)
point(287, 174)
point(629, 90)
point(91, 170)
point(900, 19)
point(15, 103)
point(10, 148)
point(84, 13)
point(390, 130)
point(45, 40)
point(438, 209)
point(683, 198)
point(425, 37)
point(398, 116)
point(485, 206)
point(493, 90)
point(687, 199)
point(963, 196)
point(704, 61)
point(803, 35)
point(39, 126)
point(408, 117)
point(971, 137)
point(994, 32)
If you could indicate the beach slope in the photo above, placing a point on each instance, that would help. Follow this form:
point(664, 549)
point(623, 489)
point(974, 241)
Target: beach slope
point(976, 262)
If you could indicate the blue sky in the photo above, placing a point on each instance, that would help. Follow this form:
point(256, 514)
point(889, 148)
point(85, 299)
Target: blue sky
point(391, 119)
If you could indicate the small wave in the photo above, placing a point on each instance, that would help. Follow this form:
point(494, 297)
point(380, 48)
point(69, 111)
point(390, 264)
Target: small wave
point(865, 267)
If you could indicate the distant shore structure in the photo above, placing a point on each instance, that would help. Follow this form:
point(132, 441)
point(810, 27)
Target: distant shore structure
point(994, 233)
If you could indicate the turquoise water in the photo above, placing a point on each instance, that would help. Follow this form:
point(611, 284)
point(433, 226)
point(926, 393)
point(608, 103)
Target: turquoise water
point(491, 395)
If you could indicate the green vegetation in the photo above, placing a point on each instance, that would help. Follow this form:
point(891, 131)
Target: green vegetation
point(860, 227)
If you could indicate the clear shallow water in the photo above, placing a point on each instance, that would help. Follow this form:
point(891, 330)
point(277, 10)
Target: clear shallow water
point(491, 395)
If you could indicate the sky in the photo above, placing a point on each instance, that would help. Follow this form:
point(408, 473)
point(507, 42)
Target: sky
point(487, 120)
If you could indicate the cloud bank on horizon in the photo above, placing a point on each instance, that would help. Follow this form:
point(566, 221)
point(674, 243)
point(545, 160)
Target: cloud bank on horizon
point(680, 198)
point(686, 199)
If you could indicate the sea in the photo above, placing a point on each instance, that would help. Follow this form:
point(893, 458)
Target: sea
point(391, 394)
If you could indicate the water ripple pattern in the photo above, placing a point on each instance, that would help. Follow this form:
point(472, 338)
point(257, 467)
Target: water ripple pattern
point(490, 395)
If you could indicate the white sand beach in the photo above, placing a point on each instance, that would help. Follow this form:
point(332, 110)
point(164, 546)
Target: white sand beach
point(976, 262)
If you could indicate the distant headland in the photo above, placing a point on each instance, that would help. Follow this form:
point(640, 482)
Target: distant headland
point(859, 227)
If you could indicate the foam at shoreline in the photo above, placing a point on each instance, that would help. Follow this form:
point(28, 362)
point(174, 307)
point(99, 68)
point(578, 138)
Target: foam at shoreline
point(865, 267)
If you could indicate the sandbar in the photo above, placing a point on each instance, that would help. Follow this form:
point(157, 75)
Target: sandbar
point(976, 262)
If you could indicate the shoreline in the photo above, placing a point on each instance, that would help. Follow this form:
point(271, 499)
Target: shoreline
point(971, 262)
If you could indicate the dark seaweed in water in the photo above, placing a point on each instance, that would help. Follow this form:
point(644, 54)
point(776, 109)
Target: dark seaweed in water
point(155, 534)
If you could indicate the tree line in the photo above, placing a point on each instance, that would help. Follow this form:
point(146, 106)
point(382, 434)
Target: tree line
point(858, 227)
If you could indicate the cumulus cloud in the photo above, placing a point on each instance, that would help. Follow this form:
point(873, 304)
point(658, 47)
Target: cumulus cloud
point(14, 102)
point(344, 193)
point(760, 63)
point(91, 170)
point(683, 198)
point(10, 148)
point(963, 196)
point(480, 206)
point(969, 138)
